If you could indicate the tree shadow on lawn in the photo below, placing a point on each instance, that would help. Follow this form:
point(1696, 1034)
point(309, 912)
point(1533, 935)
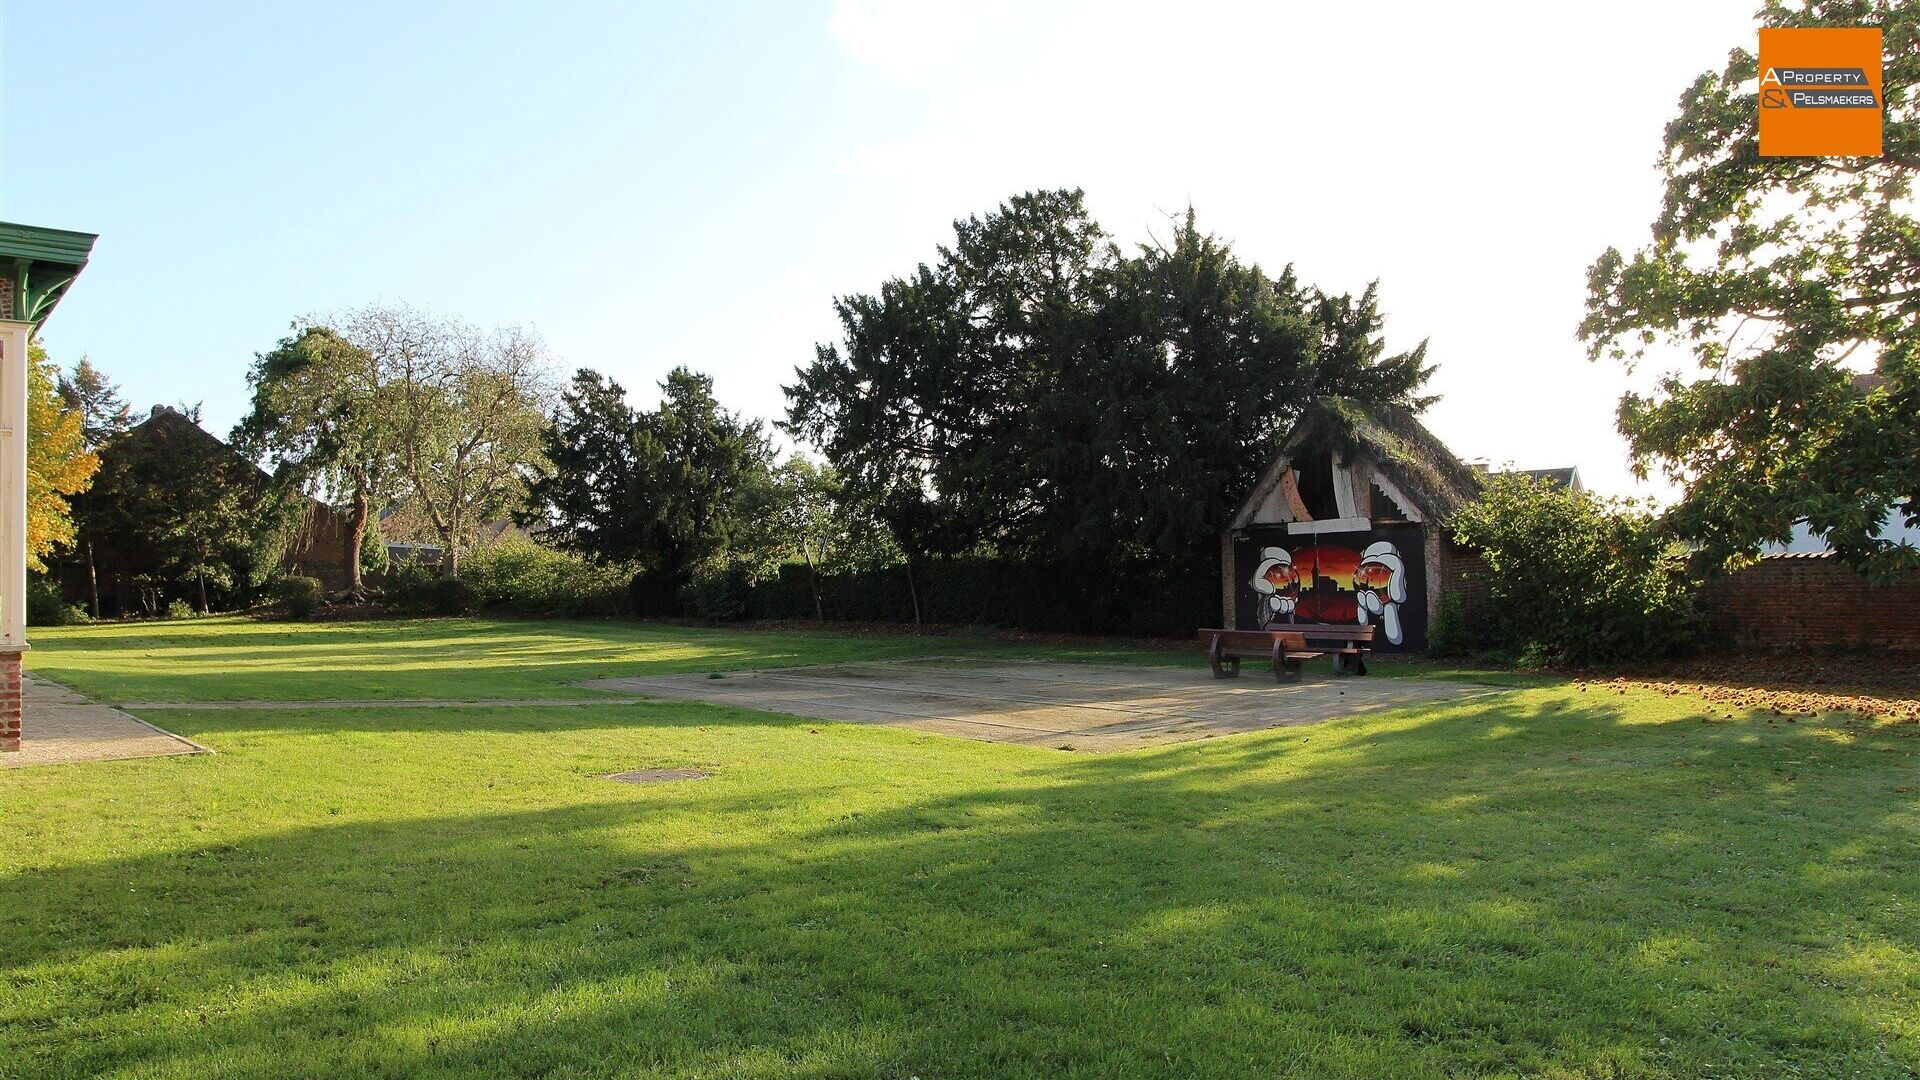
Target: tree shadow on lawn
point(1340, 900)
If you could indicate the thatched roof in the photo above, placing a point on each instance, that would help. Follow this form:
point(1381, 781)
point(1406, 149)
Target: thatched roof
point(1392, 440)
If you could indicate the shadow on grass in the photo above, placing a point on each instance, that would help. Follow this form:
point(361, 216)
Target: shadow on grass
point(1491, 887)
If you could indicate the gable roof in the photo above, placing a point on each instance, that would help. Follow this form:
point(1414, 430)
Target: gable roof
point(1391, 439)
point(1567, 477)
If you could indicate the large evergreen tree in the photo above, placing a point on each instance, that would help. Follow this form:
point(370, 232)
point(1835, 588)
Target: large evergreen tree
point(659, 489)
point(1037, 392)
point(592, 500)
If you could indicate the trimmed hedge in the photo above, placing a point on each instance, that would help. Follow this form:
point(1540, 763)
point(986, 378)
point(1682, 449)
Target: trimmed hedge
point(1145, 600)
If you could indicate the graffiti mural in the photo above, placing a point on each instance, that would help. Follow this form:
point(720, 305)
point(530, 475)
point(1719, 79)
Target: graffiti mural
point(1368, 579)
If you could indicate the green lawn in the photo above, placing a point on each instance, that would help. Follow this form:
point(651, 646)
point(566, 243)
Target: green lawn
point(234, 659)
point(1548, 882)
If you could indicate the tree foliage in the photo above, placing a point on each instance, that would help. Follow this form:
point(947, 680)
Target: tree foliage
point(88, 391)
point(59, 463)
point(1037, 392)
point(1569, 578)
point(660, 489)
point(185, 510)
point(1795, 284)
point(465, 412)
point(324, 415)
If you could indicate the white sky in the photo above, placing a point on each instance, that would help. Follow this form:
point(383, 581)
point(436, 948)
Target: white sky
point(1475, 161)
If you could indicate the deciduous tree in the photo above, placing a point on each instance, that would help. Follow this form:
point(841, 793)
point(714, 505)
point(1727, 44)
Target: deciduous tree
point(59, 463)
point(464, 410)
point(324, 415)
point(1795, 285)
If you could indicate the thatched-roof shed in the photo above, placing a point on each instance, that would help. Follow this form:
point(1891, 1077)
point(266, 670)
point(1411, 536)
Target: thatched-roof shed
point(1347, 525)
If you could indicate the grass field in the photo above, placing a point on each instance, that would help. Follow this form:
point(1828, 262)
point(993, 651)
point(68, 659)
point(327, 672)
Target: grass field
point(1554, 881)
point(235, 659)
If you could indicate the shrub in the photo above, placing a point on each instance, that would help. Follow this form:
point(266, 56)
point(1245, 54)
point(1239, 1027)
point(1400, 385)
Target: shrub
point(717, 590)
point(1571, 579)
point(450, 596)
point(46, 606)
point(299, 597)
point(520, 575)
point(180, 609)
point(404, 584)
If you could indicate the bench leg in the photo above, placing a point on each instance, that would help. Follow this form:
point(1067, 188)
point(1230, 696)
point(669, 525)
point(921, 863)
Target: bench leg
point(1339, 663)
point(1284, 670)
point(1224, 667)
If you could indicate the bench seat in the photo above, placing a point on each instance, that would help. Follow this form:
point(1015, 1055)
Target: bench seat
point(1287, 649)
point(1285, 652)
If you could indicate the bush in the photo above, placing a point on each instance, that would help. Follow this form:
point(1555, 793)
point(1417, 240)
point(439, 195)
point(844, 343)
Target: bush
point(422, 589)
point(520, 575)
point(449, 596)
point(1571, 579)
point(180, 609)
point(46, 606)
point(717, 591)
point(299, 597)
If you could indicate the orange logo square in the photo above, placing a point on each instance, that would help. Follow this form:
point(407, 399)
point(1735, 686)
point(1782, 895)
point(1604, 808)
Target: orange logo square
point(1820, 92)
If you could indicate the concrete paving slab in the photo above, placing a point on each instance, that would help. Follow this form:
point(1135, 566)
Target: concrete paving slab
point(1088, 707)
point(59, 726)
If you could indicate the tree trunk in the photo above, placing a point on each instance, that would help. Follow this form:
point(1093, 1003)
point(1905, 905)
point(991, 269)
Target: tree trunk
point(356, 535)
point(93, 579)
point(813, 580)
point(202, 577)
point(913, 593)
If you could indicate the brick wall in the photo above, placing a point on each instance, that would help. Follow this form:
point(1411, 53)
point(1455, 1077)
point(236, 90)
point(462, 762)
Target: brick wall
point(11, 691)
point(1462, 572)
point(1797, 601)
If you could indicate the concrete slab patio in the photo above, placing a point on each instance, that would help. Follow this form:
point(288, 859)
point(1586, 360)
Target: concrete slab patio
point(60, 726)
point(1068, 706)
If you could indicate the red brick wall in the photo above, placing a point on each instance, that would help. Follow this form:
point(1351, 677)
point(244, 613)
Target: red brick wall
point(1797, 601)
point(10, 694)
point(1462, 573)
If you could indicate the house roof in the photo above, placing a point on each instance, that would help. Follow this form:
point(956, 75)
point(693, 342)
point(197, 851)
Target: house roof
point(1391, 439)
point(1567, 477)
point(36, 266)
point(1394, 440)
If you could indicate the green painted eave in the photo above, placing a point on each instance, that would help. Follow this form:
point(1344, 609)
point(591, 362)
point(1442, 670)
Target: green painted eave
point(41, 263)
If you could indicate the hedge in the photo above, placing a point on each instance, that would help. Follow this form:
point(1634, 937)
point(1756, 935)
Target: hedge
point(1143, 600)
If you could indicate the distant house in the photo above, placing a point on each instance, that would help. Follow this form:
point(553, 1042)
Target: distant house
point(1568, 478)
point(409, 536)
point(125, 574)
point(1348, 525)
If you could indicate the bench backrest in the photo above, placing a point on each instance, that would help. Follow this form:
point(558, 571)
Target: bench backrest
point(1255, 639)
point(1334, 631)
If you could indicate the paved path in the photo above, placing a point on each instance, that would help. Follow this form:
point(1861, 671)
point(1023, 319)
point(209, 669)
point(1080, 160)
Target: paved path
point(59, 726)
point(1068, 706)
point(388, 703)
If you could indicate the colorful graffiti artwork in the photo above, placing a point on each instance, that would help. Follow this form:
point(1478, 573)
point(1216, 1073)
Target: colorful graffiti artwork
point(1364, 580)
point(1277, 583)
point(1380, 587)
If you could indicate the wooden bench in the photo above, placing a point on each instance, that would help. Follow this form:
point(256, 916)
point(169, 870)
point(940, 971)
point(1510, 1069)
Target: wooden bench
point(1346, 642)
point(1285, 650)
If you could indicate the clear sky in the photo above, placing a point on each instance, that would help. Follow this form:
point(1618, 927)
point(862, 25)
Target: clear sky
point(652, 185)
